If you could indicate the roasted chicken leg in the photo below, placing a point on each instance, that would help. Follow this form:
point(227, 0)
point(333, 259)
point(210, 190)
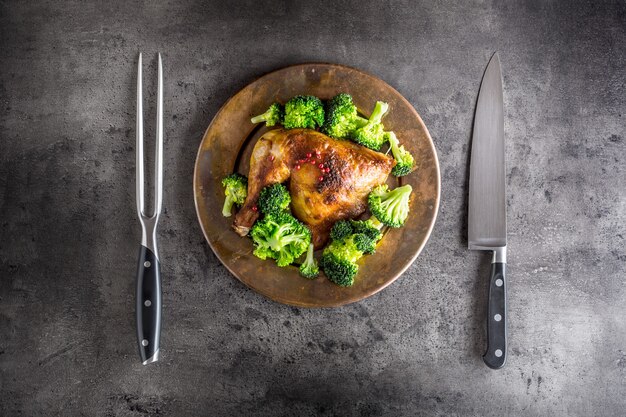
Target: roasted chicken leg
point(329, 179)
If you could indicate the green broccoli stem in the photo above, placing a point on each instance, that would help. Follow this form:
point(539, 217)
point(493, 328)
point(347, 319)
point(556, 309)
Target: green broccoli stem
point(282, 237)
point(393, 143)
point(360, 121)
point(275, 242)
point(396, 199)
point(227, 210)
point(262, 117)
point(309, 268)
point(309, 261)
point(309, 254)
point(376, 223)
point(379, 111)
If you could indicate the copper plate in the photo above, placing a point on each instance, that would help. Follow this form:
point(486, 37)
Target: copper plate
point(227, 145)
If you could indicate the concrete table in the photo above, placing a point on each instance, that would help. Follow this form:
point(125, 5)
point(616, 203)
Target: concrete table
point(69, 235)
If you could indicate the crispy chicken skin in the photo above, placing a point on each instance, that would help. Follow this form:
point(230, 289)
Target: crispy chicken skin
point(319, 196)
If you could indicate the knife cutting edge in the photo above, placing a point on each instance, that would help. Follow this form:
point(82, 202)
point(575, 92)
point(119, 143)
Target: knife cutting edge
point(487, 204)
point(148, 295)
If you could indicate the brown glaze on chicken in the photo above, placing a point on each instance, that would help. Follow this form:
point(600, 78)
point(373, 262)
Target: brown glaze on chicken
point(329, 179)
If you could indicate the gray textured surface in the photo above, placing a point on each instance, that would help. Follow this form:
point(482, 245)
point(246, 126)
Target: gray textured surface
point(69, 234)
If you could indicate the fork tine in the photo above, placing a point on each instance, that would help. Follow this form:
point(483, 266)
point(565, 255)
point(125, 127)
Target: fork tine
point(139, 145)
point(158, 160)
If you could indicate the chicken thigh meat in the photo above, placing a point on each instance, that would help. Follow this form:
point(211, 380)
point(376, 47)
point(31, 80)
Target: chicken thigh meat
point(329, 179)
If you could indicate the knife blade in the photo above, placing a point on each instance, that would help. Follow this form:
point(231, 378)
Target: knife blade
point(487, 204)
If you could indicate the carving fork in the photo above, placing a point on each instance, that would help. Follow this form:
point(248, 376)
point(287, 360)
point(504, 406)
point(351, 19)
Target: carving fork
point(148, 295)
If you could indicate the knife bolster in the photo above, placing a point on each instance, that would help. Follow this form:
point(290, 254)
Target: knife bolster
point(499, 255)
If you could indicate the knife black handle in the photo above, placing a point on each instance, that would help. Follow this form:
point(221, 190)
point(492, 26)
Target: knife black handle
point(148, 307)
point(495, 356)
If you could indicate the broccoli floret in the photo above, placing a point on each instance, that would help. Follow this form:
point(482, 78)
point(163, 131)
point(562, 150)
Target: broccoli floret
point(345, 249)
point(390, 207)
point(362, 232)
point(339, 270)
point(341, 230)
point(351, 239)
point(235, 190)
point(370, 228)
point(367, 234)
point(304, 112)
point(339, 261)
point(364, 243)
point(280, 236)
point(273, 115)
point(341, 117)
point(273, 198)
point(372, 135)
point(309, 268)
point(344, 228)
point(404, 159)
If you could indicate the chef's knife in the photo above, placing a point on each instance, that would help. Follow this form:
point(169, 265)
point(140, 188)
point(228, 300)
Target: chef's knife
point(148, 295)
point(487, 204)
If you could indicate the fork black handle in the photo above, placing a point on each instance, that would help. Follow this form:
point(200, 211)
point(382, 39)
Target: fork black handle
point(148, 308)
point(495, 356)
